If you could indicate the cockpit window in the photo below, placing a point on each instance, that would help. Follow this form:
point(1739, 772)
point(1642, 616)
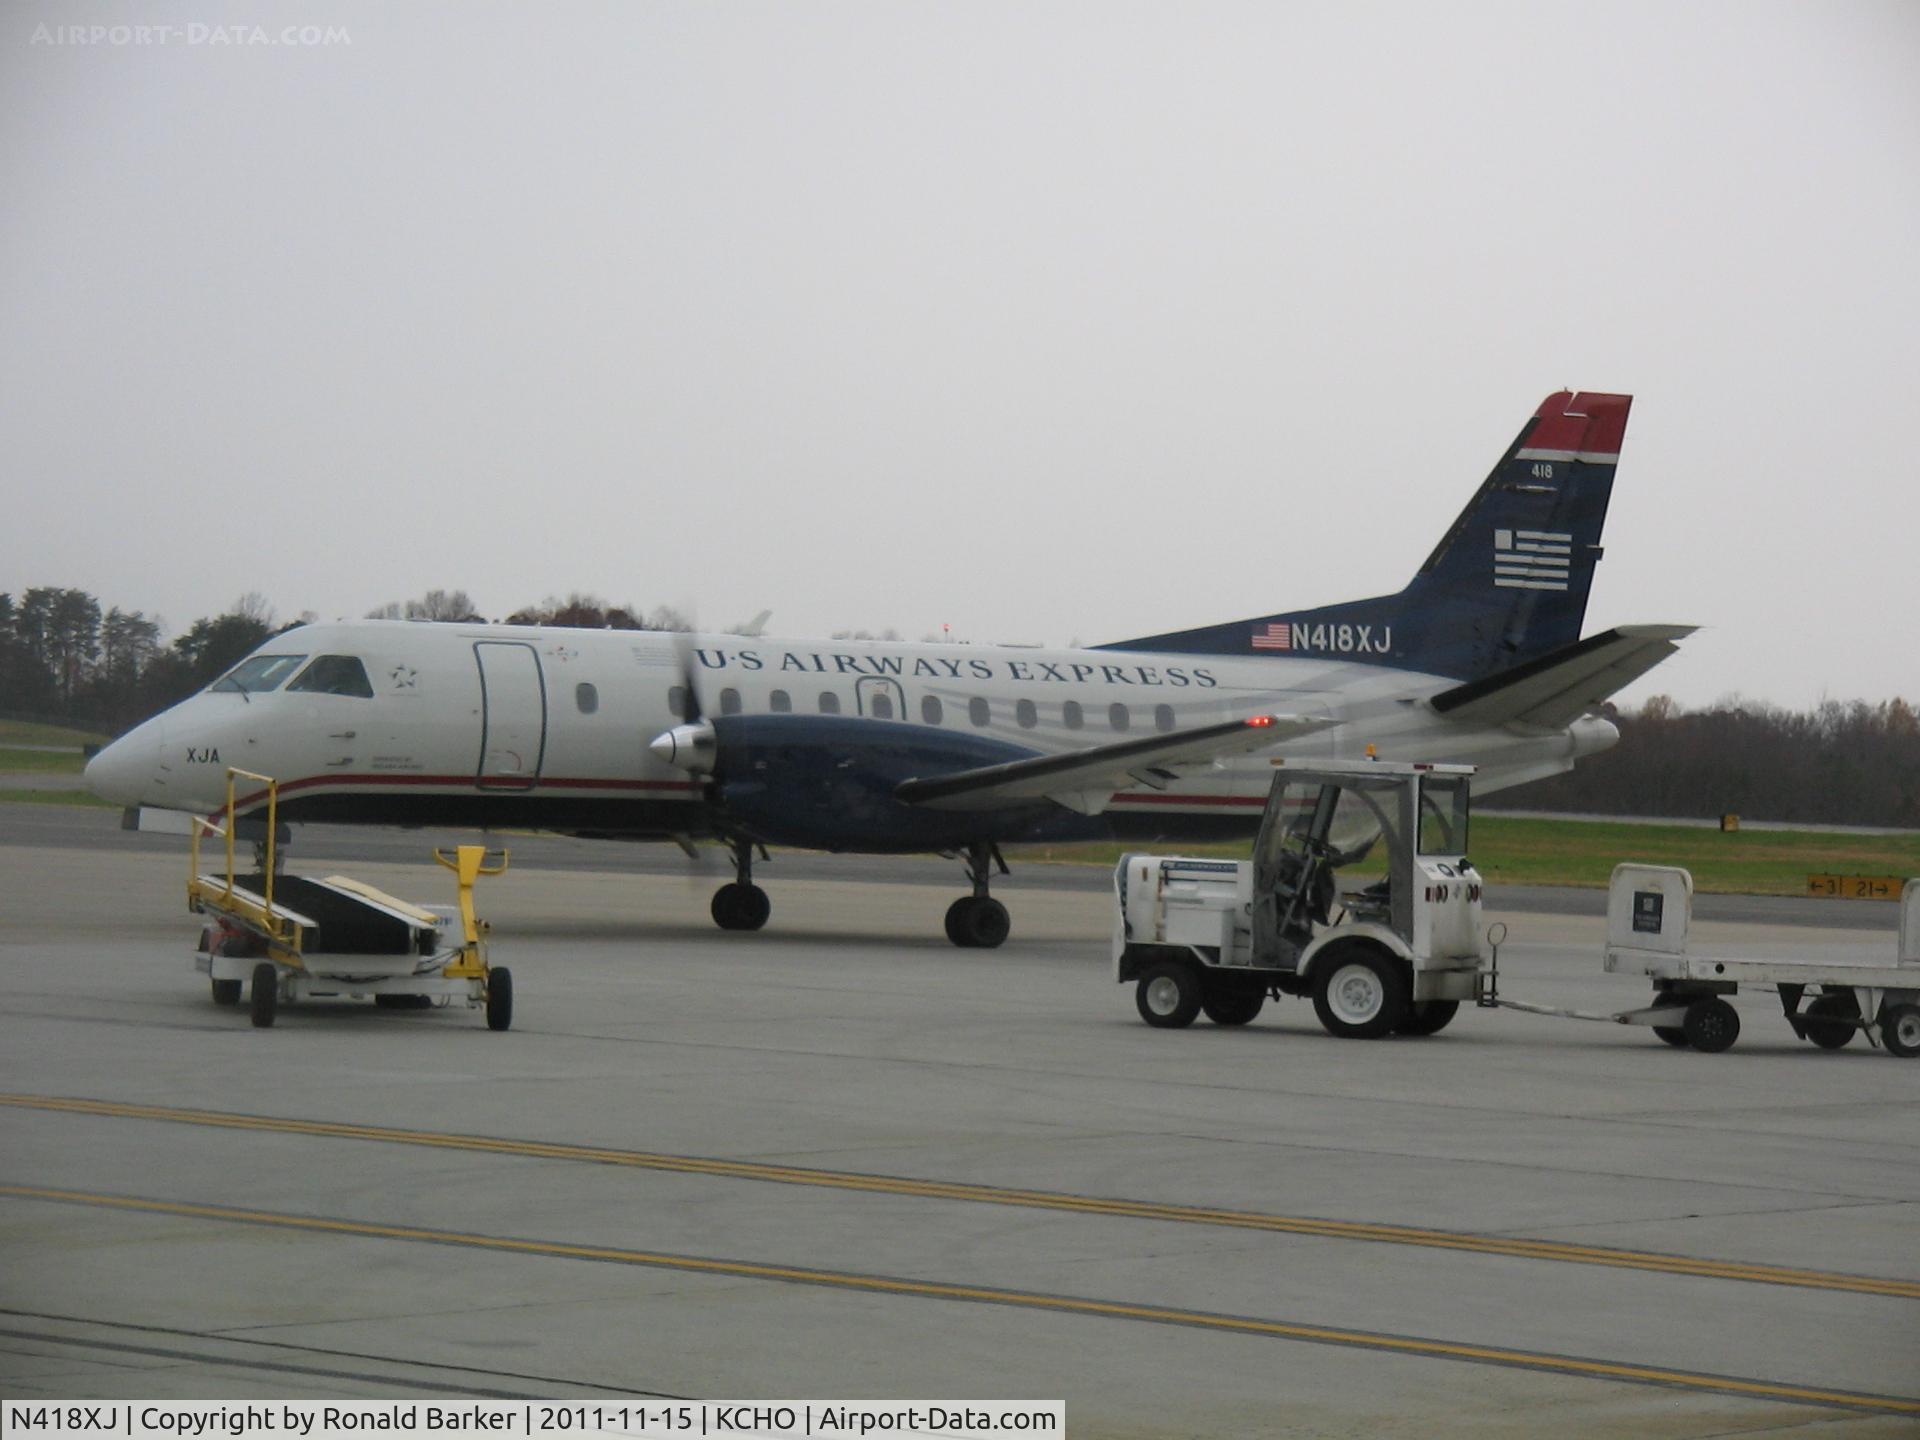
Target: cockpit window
point(335, 675)
point(259, 674)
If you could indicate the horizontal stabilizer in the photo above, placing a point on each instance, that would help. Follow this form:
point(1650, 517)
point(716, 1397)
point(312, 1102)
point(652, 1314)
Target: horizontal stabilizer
point(1070, 777)
point(1563, 684)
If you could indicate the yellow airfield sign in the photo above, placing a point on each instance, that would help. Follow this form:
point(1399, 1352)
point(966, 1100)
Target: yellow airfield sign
point(1855, 887)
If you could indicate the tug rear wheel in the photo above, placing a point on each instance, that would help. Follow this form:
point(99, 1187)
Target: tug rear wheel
point(1428, 1017)
point(226, 992)
point(1168, 995)
point(1360, 992)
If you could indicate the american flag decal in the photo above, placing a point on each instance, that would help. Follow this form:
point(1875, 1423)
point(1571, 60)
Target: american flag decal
point(1531, 559)
point(1275, 636)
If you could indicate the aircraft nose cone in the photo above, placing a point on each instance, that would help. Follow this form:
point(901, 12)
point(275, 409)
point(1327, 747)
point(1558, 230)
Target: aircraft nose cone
point(122, 774)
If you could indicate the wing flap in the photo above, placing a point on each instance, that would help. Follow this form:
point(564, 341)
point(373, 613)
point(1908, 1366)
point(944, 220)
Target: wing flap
point(1555, 689)
point(1076, 778)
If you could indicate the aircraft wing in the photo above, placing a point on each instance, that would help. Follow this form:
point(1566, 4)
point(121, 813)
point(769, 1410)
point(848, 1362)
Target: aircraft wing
point(1563, 684)
point(1083, 779)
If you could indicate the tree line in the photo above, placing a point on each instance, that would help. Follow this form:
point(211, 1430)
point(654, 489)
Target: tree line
point(66, 660)
point(1841, 763)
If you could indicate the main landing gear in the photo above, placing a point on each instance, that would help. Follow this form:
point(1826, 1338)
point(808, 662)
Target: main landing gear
point(742, 905)
point(978, 921)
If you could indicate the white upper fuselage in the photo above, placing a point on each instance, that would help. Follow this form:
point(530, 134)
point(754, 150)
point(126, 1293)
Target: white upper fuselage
point(565, 719)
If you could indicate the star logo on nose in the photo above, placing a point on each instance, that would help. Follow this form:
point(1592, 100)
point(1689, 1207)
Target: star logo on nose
point(403, 677)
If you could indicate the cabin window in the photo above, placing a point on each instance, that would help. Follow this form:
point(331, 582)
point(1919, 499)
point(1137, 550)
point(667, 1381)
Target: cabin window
point(780, 703)
point(829, 703)
point(335, 675)
point(1163, 717)
point(1073, 715)
point(930, 710)
point(882, 706)
point(586, 697)
point(729, 701)
point(677, 701)
point(1118, 717)
point(1026, 713)
point(258, 675)
point(977, 710)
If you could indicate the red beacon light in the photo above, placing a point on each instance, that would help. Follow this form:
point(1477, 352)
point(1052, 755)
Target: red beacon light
point(1259, 722)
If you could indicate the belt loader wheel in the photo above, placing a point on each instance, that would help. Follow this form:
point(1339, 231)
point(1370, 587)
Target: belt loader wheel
point(1900, 1030)
point(1168, 995)
point(1360, 992)
point(226, 992)
point(499, 998)
point(266, 993)
point(1711, 1025)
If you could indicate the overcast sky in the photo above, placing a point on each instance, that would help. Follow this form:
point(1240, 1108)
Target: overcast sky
point(1050, 322)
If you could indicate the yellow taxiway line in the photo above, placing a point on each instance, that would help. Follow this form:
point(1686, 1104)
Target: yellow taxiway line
point(1553, 1250)
point(989, 1295)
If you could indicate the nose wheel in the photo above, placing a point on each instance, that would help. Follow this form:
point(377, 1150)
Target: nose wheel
point(978, 921)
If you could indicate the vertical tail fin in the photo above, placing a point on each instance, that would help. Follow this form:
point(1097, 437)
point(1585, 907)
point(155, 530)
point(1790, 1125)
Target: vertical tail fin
point(1507, 583)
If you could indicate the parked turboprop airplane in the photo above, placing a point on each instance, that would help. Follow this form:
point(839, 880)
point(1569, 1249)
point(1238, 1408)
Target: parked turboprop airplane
point(881, 747)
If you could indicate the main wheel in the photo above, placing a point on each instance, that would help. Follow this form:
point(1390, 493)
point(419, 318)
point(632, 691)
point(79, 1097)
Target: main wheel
point(226, 992)
point(957, 922)
point(987, 923)
point(1900, 1030)
point(1711, 1025)
point(1428, 1017)
point(1168, 995)
point(1829, 1020)
point(740, 907)
point(499, 998)
point(1226, 1006)
point(266, 993)
point(1360, 992)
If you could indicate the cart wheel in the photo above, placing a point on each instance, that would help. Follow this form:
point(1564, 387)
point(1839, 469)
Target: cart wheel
point(1232, 1007)
point(1829, 1020)
point(1428, 1017)
point(1360, 992)
point(266, 993)
point(1168, 995)
point(1673, 1035)
point(1900, 1030)
point(226, 992)
point(1711, 1025)
point(499, 998)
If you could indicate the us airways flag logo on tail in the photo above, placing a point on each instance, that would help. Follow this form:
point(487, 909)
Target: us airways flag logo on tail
point(1275, 636)
point(1530, 559)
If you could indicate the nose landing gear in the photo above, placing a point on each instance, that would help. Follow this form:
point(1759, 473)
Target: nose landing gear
point(978, 921)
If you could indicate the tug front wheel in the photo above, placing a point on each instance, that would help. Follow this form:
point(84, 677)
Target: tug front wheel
point(1168, 995)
